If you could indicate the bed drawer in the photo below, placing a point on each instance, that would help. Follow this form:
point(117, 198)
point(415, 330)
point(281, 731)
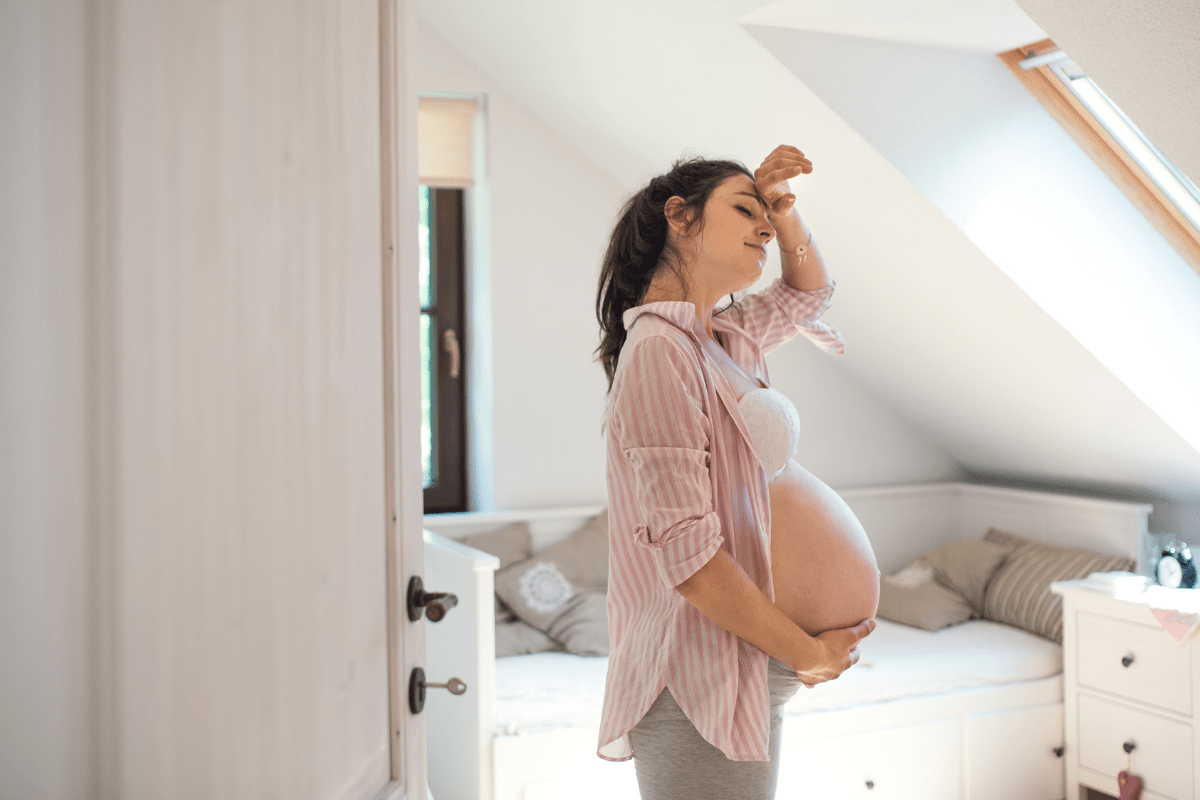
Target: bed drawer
point(1163, 748)
point(1159, 671)
point(1016, 754)
point(918, 762)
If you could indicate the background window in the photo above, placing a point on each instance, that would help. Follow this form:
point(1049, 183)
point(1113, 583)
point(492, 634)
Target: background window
point(443, 428)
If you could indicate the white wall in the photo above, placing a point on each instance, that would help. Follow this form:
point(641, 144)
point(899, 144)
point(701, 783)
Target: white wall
point(551, 212)
point(849, 437)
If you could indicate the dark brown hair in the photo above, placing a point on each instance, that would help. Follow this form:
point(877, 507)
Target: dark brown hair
point(640, 245)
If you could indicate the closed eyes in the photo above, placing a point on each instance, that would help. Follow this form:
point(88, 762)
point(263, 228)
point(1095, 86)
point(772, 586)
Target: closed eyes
point(757, 200)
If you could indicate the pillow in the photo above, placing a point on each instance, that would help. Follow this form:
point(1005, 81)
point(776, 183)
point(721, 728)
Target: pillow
point(510, 545)
point(544, 587)
point(582, 628)
point(913, 597)
point(1010, 540)
point(966, 566)
point(1019, 594)
point(516, 638)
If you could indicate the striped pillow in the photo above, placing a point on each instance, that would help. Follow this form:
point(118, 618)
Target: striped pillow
point(1019, 594)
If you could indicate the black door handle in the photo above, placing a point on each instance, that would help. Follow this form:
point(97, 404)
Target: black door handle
point(434, 604)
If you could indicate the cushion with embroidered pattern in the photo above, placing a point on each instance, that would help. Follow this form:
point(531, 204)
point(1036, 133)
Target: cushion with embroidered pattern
point(562, 589)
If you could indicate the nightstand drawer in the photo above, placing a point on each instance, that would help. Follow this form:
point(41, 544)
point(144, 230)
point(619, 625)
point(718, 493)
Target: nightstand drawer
point(1159, 670)
point(1163, 752)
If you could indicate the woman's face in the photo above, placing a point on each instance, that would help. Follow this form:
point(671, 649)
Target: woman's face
point(731, 249)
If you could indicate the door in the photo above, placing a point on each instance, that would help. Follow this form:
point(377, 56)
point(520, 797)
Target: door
point(253, 429)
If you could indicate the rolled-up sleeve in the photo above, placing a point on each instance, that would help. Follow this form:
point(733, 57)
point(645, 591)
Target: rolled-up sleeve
point(777, 313)
point(657, 415)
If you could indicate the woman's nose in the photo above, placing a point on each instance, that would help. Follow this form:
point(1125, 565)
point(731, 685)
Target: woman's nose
point(767, 231)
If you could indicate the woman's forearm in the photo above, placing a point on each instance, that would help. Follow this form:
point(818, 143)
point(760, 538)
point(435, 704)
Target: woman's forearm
point(724, 593)
point(802, 271)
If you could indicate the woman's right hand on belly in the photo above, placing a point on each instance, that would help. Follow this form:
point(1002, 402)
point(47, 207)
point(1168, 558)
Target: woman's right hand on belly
point(839, 652)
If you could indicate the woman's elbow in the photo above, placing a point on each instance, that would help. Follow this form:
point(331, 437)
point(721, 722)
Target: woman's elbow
point(695, 584)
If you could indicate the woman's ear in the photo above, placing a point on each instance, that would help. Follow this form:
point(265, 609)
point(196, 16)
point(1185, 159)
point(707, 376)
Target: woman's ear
point(679, 216)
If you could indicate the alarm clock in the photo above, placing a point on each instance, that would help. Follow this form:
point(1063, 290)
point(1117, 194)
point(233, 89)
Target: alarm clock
point(1176, 569)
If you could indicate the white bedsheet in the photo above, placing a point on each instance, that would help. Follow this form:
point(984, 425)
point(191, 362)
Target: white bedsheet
point(898, 661)
point(544, 691)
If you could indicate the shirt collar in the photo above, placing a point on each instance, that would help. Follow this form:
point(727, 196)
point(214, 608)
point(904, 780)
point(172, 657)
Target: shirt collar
point(680, 313)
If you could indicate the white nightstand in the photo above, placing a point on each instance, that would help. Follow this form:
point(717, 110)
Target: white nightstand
point(1127, 682)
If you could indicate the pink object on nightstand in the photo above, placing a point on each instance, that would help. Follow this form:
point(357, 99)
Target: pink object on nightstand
point(1130, 786)
point(1180, 624)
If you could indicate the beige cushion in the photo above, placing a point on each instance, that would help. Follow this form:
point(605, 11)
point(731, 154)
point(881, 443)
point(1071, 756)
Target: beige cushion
point(543, 588)
point(1019, 594)
point(516, 638)
point(583, 627)
point(966, 566)
point(912, 596)
point(1005, 539)
point(510, 544)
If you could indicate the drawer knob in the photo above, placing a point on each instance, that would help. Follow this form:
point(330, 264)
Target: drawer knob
point(870, 784)
point(1058, 751)
point(1129, 746)
point(1127, 660)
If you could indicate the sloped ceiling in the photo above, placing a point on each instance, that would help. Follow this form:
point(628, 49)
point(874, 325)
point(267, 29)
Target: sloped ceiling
point(932, 324)
point(984, 26)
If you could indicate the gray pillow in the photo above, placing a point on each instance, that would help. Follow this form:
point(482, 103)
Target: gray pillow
point(543, 590)
point(582, 628)
point(966, 566)
point(1019, 594)
point(516, 638)
point(510, 544)
point(913, 596)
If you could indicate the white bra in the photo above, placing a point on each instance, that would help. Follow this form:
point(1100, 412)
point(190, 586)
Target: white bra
point(774, 427)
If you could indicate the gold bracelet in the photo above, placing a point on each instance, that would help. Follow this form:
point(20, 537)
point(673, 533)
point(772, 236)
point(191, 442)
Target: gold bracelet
point(802, 250)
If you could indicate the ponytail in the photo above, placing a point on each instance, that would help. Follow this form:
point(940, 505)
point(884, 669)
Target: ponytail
point(640, 245)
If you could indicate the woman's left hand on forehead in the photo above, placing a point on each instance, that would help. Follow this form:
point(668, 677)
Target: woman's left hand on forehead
point(771, 177)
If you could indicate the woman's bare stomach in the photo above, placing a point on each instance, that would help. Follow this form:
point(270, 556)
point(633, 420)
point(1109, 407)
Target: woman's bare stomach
point(821, 560)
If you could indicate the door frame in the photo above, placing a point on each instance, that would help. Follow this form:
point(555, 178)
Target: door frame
point(402, 387)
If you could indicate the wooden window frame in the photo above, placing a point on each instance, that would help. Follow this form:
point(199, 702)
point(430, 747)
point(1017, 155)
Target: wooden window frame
point(1079, 122)
point(447, 312)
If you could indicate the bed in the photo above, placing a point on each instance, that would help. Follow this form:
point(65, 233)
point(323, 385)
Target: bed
point(973, 710)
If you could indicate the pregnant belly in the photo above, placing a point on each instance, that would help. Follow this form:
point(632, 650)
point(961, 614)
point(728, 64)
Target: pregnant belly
point(821, 560)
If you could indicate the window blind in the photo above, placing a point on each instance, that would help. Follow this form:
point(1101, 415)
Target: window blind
point(445, 141)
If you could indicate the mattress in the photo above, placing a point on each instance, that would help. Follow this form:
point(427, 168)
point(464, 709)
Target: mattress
point(545, 691)
point(899, 661)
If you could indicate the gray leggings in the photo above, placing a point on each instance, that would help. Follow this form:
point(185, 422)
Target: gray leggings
point(673, 761)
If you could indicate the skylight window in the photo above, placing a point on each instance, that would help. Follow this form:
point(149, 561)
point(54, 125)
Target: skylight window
point(1167, 197)
point(1173, 183)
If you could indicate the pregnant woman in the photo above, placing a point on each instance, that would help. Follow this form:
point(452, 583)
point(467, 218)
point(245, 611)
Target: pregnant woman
point(735, 575)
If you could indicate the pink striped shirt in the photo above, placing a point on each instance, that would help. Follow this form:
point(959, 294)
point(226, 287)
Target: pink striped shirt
point(683, 481)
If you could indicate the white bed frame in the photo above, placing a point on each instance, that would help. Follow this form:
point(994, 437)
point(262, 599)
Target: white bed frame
point(980, 744)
